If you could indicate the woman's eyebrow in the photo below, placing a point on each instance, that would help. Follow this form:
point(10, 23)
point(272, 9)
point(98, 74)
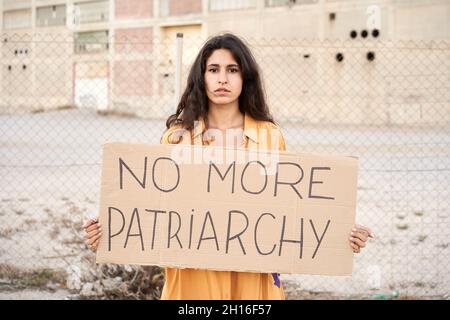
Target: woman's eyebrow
point(217, 65)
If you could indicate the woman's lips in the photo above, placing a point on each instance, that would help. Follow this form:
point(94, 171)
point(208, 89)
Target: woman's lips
point(221, 92)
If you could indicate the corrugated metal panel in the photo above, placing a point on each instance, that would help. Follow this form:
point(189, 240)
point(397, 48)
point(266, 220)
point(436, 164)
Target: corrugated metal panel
point(91, 85)
point(91, 70)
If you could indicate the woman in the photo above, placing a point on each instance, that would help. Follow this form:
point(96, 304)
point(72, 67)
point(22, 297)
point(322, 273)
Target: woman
point(223, 104)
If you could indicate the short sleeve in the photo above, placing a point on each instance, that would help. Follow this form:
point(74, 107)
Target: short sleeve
point(173, 135)
point(165, 137)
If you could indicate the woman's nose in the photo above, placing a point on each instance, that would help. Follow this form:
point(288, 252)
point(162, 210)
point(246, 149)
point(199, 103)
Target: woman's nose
point(223, 78)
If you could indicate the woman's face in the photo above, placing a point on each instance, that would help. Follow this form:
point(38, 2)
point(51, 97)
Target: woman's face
point(223, 77)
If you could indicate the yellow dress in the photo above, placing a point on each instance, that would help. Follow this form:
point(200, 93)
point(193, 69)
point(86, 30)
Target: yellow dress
point(198, 284)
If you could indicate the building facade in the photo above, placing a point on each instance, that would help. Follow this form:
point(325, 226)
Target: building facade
point(120, 54)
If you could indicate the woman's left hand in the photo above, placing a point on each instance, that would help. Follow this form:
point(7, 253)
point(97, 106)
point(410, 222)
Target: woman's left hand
point(358, 237)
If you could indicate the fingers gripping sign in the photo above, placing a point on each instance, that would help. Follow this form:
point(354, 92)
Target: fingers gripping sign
point(359, 236)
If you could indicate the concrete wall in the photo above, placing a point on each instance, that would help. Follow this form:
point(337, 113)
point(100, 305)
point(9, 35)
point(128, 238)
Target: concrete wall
point(36, 72)
point(399, 19)
point(404, 84)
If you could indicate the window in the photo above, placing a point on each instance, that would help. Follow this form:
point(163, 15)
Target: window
point(164, 8)
point(278, 3)
point(220, 5)
point(89, 12)
point(16, 19)
point(51, 16)
point(91, 42)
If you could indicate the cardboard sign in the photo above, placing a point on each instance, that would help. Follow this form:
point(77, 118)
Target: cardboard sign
point(227, 209)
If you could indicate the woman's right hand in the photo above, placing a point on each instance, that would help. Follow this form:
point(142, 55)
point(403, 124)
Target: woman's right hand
point(93, 232)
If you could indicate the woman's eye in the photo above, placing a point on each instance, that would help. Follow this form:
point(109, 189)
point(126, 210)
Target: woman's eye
point(215, 70)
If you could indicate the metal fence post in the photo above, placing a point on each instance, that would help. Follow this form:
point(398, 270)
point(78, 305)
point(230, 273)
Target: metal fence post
point(178, 66)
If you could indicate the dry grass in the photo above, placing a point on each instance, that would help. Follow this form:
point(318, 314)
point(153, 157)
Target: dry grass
point(8, 232)
point(137, 282)
point(37, 278)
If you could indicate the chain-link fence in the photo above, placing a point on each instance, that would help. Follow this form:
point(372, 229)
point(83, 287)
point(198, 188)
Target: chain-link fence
point(388, 103)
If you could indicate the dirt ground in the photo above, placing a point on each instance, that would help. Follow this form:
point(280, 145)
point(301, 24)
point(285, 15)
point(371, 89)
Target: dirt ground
point(50, 185)
point(292, 293)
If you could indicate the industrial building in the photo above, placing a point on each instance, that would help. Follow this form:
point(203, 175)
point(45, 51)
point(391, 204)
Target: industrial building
point(120, 54)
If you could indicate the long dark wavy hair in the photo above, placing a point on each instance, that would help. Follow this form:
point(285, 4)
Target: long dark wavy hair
point(194, 101)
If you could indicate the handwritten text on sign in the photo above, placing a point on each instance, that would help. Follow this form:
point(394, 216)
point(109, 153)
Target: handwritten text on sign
point(226, 210)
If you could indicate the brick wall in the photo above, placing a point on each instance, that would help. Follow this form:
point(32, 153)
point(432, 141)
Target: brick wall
point(134, 40)
point(133, 78)
point(177, 7)
point(126, 9)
